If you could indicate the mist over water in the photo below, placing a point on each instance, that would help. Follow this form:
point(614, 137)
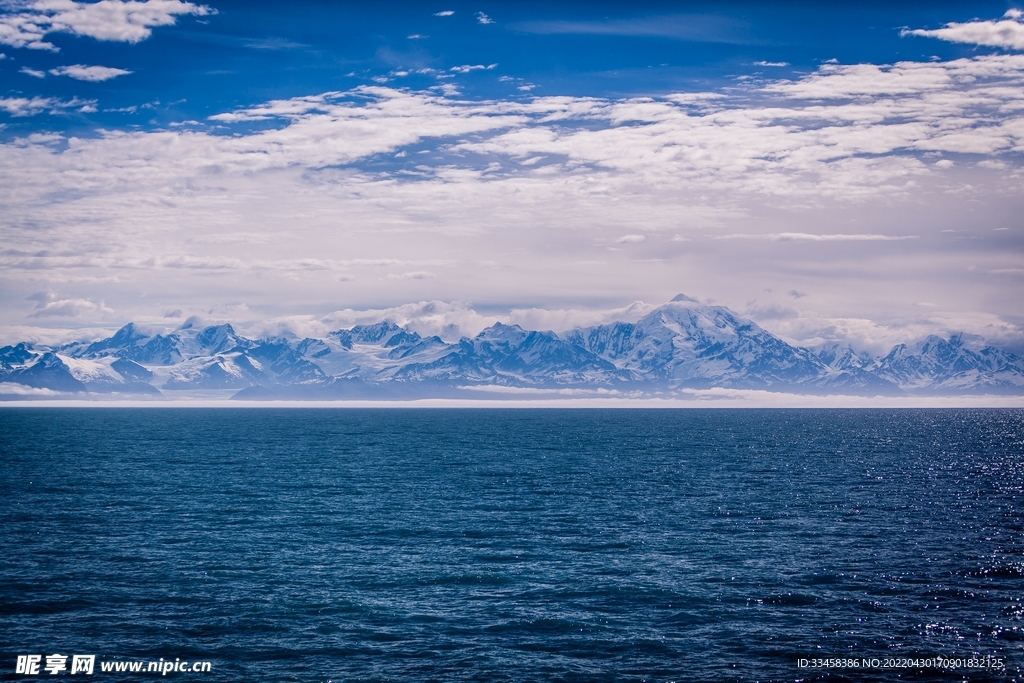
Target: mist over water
point(512, 545)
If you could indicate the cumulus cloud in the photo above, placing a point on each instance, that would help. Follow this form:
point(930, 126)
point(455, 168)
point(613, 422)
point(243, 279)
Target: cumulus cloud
point(444, 13)
point(483, 18)
point(449, 320)
point(565, 319)
point(89, 73)
point(35, 73)
point(864, 335)
point(128, 21)
point(1007, 32)
point(48, 305)
point(447, 89)
point(763, 63)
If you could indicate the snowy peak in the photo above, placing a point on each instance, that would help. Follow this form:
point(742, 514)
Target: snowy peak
point(842, 357)
point(608, 341)
point(498, 341)
point(375, 334)
point(220, 339)
point(954, 363)
point(134, 344)
point(127, 336)
point(21, 364)
point(685, 343)
point(283, 364)
point(14, 356)
point(47, 371)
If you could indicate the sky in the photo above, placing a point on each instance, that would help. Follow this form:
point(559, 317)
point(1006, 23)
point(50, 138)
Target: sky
point(847, 173)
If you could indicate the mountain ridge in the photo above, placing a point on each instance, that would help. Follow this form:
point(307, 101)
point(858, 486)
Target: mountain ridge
point(679, 346)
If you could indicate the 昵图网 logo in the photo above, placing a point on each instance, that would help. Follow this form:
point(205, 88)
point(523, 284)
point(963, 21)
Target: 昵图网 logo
point(34, 665)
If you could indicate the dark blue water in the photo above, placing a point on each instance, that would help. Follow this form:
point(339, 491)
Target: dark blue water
point(512, 545)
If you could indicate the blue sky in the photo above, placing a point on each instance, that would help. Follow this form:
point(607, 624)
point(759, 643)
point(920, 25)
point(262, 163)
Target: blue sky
point(250, 52)
point(839, 173)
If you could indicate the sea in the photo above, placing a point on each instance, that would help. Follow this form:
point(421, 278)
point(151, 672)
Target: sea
point(321, 544)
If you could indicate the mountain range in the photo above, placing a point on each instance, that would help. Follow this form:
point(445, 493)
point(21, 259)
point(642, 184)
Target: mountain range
point(680, 346)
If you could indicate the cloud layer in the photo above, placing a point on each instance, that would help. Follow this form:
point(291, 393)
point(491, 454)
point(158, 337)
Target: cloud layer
point(128, 21)
point(1006, 33)
point(869, 189)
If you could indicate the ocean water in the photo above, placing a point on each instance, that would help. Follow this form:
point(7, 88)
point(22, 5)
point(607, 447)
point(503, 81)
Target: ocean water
point(514, 545)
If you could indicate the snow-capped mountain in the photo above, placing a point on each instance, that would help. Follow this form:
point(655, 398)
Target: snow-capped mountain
point(681, 345)
point(687, 344)
point(43, 369)
point(684, 343)
point(842, 357)
point(955, 365)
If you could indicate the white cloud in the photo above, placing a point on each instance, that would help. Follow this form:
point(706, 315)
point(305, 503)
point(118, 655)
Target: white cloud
point(763, 63)
point(781, 147)
point(1006, 33)
point(29, 106)
point(811, 328)
point(50, 306)
point(447, 89)
point(466, 68)
point(483, 18)
point(338, 130)
point(444, 13)
point(89, 73)
point(35, 73)
point(449, 320)
point(14, 389)
point(631, 239)
point(128, 21)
